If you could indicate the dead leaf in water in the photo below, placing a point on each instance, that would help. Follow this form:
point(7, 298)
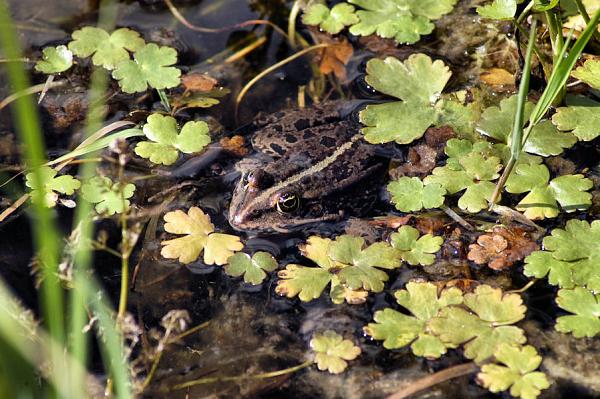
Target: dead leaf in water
point(196, 81)
point(501, 248)
point(333, 59)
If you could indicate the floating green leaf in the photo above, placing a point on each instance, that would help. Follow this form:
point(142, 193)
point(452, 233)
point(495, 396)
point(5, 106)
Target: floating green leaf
point(252, 268)
point(418, 82)
point(152, 67)
point(361, 265)
point(589, 73)
point(413, 249)
point(576, 249)
point(499, 9)
point(331, 21)
point(585, 322)
point(484, 326)
point(403, 20)
point(166, 141)
point(108, 50)
point(470, 167)
point(409, 194)
point(109, 197)
point(332, 351)
point(55, 60)
point(345, 263)
point(422, 300)
point(582, 120)
point(545, 139)
point(46, 190)
point(518, 373)
point(198, 236)
point(570, 191)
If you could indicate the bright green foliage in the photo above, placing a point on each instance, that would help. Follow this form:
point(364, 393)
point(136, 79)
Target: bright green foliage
point(331, 21)
point(571, 256)
point(422, 300)
point(418, 82)
point(545, 139)
point(570, 191)
point(332, 351)
point(55, 60)
point(484, 326)
point(585, 320)
point(355, 267)
point(541, 263)
point(517, 373)
point(46, 190)
point(461, 117)
point(360, 265)
point(499, 9)
point(252, 268)
point(152, 67)
point(403, 20)
point(108, 50)
point(589, 73)
point(582, 120)
point(410, 195)
point(415, 250)
point(198, 236)
point(166, 141)
point(109, 197)
point(470, 167)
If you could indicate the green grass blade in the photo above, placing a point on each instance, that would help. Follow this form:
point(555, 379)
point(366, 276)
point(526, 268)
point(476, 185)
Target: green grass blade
point(562, 70)
point(29, 131)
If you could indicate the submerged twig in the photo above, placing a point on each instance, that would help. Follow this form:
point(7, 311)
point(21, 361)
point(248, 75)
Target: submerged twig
point(434, 379)
point(202, 29)
point(271, 374)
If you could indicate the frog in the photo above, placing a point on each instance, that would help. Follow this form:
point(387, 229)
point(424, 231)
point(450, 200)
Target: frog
point(310, 166)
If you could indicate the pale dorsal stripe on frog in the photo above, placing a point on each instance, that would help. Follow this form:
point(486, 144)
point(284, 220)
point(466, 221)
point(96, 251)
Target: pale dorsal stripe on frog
point(316, 168)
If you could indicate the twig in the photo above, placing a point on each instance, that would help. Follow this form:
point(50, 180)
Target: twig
point(434, 379)
point(197, 28)
point(457, 218)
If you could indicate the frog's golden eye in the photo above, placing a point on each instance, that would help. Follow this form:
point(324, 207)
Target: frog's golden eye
point(288, 202)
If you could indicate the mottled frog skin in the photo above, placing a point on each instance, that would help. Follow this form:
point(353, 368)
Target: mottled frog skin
point(311, 165)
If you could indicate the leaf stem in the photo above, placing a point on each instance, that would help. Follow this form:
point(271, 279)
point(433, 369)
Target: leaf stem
point(270, 69)
point(291, 30)
point(517, 131)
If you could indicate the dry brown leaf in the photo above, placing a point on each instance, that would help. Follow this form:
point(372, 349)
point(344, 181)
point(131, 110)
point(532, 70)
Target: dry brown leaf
point(497, 77)
point(234, 145)
point(196, 81)
point(501, 248)
point(333, 59)
point(392, 222)
point(420, 161)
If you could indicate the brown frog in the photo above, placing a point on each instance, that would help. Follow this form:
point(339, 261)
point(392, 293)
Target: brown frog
point(312, 165)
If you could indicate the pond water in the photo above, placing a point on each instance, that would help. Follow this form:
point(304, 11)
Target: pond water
point(248, 330)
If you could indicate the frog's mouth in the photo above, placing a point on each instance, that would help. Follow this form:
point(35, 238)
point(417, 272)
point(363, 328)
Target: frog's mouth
point(279, 223)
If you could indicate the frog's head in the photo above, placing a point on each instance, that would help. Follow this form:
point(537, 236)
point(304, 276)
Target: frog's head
point(261, 204)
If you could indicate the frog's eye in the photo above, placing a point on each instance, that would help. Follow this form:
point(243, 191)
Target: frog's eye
point(288, 202)
point(364, 90)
